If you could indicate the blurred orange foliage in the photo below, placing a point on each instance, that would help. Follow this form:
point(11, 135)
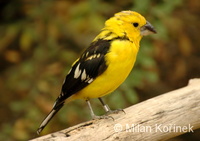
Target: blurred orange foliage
point(39, 40)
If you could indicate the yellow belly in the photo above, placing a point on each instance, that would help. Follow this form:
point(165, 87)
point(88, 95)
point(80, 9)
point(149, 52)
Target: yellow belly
point(120, 60)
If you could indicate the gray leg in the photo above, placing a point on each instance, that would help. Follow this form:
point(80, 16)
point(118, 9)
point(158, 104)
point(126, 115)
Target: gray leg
point(93, 115)
point(91, 110)
point(105, 106)
point(107, 109)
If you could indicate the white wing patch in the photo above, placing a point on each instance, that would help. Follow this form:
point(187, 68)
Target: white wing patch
point(77, 72)
point(90, 80)
point(83, 75)
point(93, 56)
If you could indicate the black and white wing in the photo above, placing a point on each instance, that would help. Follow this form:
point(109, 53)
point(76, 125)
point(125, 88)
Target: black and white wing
point(90, 65)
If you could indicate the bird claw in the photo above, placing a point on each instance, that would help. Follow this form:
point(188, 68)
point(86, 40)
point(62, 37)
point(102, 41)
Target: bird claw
point(102, 117)
point(115, 111)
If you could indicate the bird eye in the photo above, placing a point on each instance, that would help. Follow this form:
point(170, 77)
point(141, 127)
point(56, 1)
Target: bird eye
point(135, 24)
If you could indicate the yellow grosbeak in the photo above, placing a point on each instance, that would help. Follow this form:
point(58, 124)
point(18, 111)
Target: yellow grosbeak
point(105, 64)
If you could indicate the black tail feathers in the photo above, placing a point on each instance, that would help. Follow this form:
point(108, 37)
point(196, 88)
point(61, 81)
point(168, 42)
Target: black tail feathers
point(57, 106)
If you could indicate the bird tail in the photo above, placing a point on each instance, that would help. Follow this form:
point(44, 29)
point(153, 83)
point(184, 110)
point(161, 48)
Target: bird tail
point(55, 109)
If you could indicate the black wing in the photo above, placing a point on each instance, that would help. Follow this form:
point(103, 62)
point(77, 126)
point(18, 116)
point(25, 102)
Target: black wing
point(90, 65)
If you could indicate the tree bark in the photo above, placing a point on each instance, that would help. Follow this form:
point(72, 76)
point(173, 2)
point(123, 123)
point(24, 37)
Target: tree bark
point(159, 118)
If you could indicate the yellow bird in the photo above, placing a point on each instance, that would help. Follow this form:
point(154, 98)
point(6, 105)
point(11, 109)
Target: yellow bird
point(105, 64)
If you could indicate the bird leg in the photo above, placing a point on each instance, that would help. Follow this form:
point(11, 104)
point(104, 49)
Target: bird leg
point(107, 108)
point(95, 116)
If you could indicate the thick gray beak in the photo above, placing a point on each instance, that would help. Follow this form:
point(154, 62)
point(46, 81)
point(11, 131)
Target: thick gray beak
point(147, 29)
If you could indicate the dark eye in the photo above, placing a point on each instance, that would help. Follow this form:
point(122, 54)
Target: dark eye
point(135, 24)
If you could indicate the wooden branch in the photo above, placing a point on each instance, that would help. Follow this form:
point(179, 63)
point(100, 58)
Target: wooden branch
point(160, 118)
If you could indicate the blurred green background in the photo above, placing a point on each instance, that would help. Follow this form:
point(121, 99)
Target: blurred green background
point(40, 39)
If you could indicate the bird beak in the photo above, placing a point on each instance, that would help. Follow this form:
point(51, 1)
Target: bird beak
point(147, 29)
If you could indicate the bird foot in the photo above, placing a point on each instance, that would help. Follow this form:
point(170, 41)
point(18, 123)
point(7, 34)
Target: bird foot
point(102, 117)
point(115, 111)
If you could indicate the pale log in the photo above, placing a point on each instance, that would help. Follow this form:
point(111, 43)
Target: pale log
point(159, 118)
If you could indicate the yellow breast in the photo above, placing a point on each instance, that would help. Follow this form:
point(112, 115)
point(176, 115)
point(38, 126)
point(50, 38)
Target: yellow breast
point(120, 60)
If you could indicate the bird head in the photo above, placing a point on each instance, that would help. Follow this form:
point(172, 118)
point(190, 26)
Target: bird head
point(130, 24)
